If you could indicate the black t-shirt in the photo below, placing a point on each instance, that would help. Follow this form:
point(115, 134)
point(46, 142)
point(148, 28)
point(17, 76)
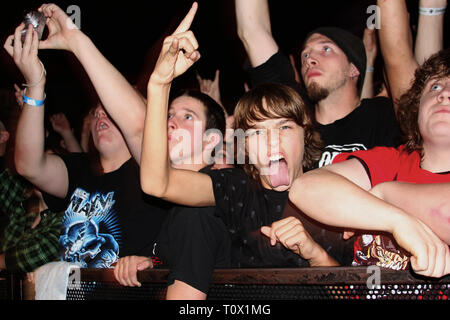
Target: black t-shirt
point(371, 124)
point(106, 216)
point(245, 206)
point(193, 242)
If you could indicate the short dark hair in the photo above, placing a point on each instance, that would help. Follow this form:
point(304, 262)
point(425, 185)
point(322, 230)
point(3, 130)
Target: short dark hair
point(436, 67)
point(214, 113)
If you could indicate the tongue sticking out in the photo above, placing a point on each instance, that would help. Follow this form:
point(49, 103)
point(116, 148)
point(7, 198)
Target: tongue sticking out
point(279, 174)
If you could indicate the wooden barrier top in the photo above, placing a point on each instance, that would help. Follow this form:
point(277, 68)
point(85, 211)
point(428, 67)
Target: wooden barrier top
point(293, 276)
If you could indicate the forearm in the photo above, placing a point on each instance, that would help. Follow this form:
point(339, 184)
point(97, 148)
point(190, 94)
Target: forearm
point(30, 136)
point(430, 31)
point(155, 163)
point(428, 202)
point(396, 45)
point(367, 91)
point(122, 102)
point(254, 30)
point(347, 205)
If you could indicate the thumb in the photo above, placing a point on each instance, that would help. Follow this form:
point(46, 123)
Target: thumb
point(144, 265)
point(267, 232)
point(418, 263)
point(173, 49)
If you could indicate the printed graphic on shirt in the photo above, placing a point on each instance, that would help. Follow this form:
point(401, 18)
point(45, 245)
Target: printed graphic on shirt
point(91, 232)
point(378, 250)
point(331, 151)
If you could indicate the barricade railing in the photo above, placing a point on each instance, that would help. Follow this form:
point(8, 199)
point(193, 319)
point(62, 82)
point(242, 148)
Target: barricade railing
point(338, 283)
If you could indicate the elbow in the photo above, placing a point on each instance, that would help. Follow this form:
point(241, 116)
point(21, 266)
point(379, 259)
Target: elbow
point(153, 189)
point(299, 190)
point(26, 166)
point(307, 189)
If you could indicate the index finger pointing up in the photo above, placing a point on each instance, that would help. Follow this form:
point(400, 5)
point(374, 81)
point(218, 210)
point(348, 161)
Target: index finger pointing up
point(187, 21)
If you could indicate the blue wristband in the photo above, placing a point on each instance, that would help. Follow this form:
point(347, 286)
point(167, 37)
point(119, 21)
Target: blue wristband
point(32, 102)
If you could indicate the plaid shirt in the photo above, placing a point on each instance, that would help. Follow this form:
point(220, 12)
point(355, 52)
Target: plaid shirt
point(26, 249)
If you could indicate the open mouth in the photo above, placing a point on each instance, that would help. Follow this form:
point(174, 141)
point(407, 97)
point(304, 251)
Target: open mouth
point(278, 170)
point(101, 126)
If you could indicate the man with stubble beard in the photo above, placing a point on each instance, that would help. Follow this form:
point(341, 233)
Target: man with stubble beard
point(333, 66)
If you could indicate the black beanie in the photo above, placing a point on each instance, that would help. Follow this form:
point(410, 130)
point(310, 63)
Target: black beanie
point(351, 45)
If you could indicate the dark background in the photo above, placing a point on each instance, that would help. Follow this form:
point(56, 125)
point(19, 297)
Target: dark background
point(127, 33)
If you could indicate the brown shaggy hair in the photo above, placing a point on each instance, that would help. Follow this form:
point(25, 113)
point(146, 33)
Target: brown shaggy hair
point(280, 102)
point(436, 67)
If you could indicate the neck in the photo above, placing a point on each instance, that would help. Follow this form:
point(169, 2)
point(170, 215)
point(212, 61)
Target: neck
point(436, 158)
point(337, 105)
point(111, 162)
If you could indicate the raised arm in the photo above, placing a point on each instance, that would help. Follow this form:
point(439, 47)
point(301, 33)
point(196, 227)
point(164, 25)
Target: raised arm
point(62, 126)
point(254, 30)
point(47, 172)
point(430, 29)
point(158, 178)
point(349, 205)
point(396, 46)
point(122, 102)
point(370, 44)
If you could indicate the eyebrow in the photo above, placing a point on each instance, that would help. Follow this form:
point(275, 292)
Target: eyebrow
point(279, 123)
point(188, 110)
point(320, 42)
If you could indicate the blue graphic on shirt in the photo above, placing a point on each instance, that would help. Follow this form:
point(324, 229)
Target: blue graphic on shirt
point(91, 232)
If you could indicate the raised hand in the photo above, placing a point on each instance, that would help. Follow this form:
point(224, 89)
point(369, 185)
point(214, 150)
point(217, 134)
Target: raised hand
point(210, 87)
point(25, 56)
point(179, 52)
point(18, 94)
point(60, 123)
point(61, 29)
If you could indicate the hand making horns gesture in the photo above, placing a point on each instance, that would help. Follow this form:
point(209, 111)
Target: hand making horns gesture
point(179, 51)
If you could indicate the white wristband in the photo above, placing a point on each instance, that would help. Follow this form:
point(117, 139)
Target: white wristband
point(370, 69)
point(43, 73)
point(432, 11)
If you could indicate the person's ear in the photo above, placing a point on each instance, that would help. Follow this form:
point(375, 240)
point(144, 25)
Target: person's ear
point(4, 136)
point(354, 72)
point(212, 140)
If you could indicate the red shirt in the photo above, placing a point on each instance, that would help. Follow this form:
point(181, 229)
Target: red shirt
point(384, 164)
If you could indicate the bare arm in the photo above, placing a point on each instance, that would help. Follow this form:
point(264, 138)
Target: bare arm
point(122, 102)
point(254, 30)
point(47, 172)
point(430, 31)
point(370, 44)
point(428, 202)
point(396, 46)
point(158, 178)
point(349, 205)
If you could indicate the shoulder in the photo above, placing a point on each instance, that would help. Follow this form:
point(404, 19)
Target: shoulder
point(376, 154)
